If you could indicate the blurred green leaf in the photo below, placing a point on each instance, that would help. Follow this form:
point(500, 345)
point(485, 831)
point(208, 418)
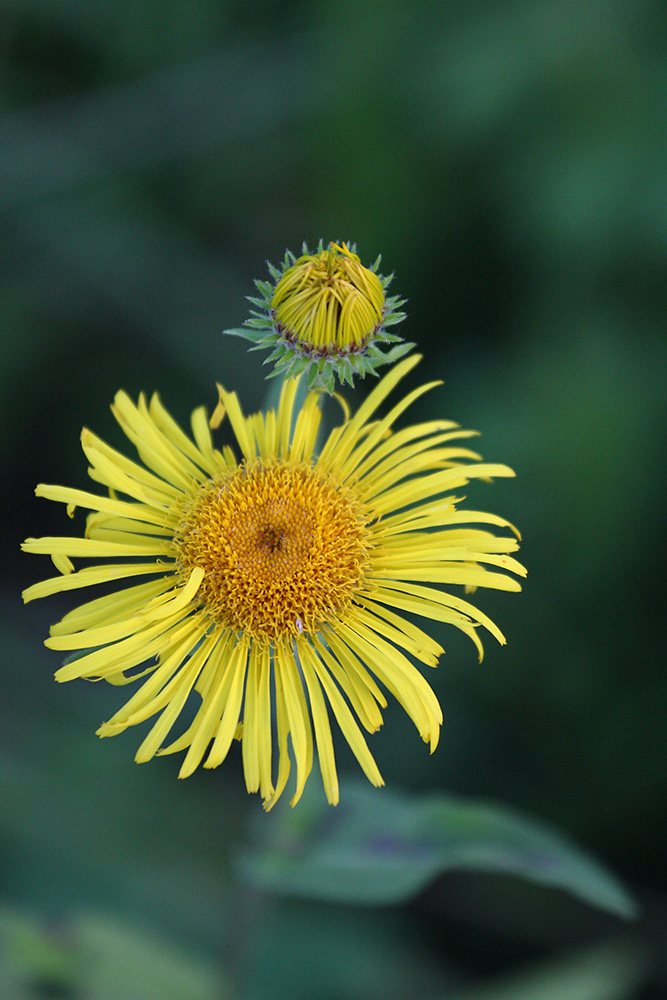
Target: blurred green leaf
point(302, 950)
point(31, 953)
point(383, 848)
point(99, 958)
point(607, 972)
point(121, 961)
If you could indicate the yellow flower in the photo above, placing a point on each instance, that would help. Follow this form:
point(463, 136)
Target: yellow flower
point(279, 583)
point(326, 315)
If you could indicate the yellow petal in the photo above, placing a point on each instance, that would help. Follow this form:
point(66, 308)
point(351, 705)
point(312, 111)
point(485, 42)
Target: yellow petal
point(143, 702)
point(284, 763)
point(184, 682)
point(345, 467)
point(239, 423)
point(88, 577)
point(298, 716)
point(345, 720)
point(232, 710)
point(80, 498)
point(346, 441)
point(325, 748)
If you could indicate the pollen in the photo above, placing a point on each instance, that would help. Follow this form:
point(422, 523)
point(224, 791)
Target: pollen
point(328, 303)
point(282, 549)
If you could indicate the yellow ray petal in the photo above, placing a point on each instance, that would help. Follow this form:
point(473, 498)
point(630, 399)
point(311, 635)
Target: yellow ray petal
point(346, 465)
point(185, 680)
point(283, 726)
point(405, 682)
point(90, 576)
point(112, 607)
point(209, 716)
point(80, 498)
point(470, 575)
point(436, 604)
point(250, 741)
point(439, 482)
point(99, 525)
point(232, 710)
point(324, 739)
point(410, 466)
point(142, 703)
point(298, 716)
point(263, 722)
point(359, 696)
point(239, 423)
point(345, 719)
point(200, 456)
point(125, 654)
point(207, 686)
point(412, 439)
point(368, 694)
point(89, 548)
point(151, 488)
point(163, 436)
point(188, 653)
point(399, 631)
point(419, 544)
point(305, 429)
point(103, 470)
point(374, 467)
point(345, 441)
point(62, 563)
point(153, 449)
point(284, 415)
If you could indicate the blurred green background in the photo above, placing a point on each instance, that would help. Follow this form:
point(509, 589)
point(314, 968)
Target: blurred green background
point(508, 160)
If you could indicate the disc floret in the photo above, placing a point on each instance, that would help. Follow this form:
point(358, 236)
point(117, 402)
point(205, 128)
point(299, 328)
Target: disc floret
point(282, 549)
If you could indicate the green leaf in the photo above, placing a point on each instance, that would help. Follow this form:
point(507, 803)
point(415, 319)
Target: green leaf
point(81, 957)
point(264, 344)
point(604, 972)
point(151, 966)
point(375, 354)
point(379, 847)
point(366, 367)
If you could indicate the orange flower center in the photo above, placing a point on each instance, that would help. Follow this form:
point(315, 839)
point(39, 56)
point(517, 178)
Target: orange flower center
point(283, 549)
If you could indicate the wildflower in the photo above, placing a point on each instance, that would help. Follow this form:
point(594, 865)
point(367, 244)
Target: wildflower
point(278, 583)
point(326, 314)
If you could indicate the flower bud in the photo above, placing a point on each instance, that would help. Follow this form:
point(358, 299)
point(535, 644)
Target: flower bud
point(326, 314)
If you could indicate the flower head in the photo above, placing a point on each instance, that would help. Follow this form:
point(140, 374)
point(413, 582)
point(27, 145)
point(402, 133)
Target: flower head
point(326, 314)
point(274, 587)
